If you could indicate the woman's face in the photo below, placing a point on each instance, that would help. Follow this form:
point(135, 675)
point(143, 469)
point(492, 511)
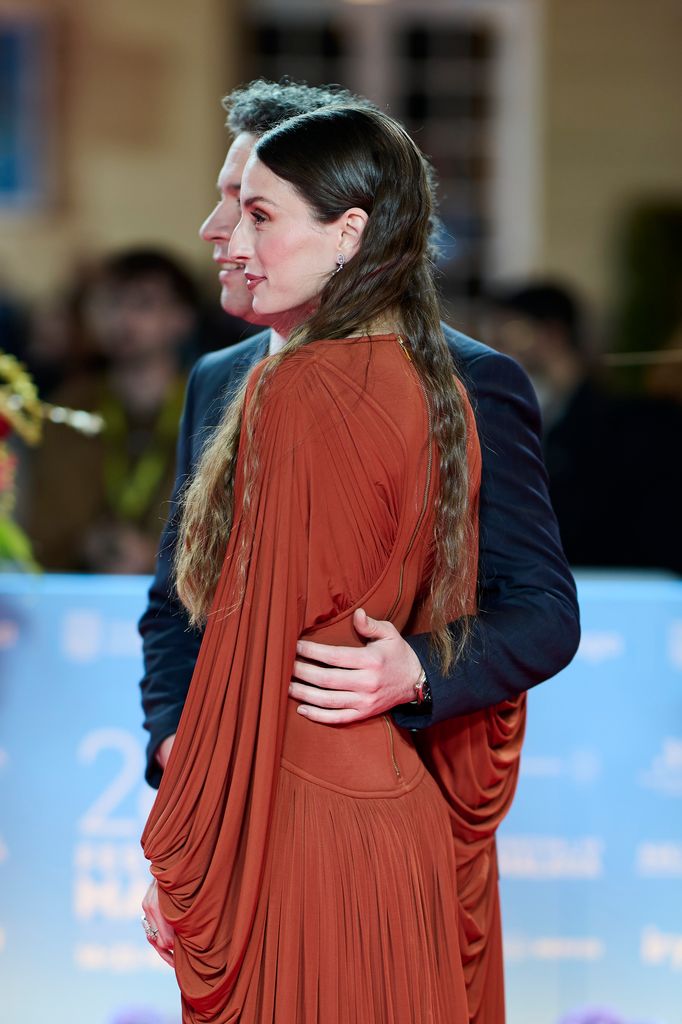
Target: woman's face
point(288, 255)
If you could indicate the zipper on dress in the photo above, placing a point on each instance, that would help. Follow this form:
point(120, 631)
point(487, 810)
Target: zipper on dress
point(429, 467)
point(396, 767)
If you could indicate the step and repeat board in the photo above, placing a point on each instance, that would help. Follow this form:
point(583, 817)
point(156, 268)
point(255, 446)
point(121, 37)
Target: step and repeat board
point(590, 854)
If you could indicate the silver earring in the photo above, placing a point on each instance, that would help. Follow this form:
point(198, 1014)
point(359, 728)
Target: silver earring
point(340, 262)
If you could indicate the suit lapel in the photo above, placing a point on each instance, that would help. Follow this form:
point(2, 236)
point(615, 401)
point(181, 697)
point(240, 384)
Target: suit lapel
point(252, 353)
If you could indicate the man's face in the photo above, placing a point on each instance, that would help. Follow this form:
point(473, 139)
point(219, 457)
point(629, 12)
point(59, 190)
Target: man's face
point(217, 229)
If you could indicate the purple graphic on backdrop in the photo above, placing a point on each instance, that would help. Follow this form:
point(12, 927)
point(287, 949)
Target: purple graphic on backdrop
point(141, 1015)
point(598, 1015)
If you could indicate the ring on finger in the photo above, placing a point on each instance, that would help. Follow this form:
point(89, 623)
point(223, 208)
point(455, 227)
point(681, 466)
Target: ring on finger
point(150, 931)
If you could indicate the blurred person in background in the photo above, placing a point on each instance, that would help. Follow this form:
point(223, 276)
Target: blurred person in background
point(664, 379)
point(47, 334)
point(612, 460)
point(647, 318)
point(98, 504)
point(55, 350)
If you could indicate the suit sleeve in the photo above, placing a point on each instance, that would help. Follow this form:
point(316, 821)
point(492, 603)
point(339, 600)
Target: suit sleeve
point(527, 628)
point(170, 647)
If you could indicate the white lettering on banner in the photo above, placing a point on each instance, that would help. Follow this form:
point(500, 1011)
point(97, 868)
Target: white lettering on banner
point(580, 766)
point(542, 857)
point(88, 635)
point(552, 947)
point(675, 644)
point(659, 860)
point(658, 948)
point(99, 819)
point(119, 958)
point(111, 874)
point(110, 881)
point(9, 634)
point(597, 647)
point(665, 774)
point(82, 634)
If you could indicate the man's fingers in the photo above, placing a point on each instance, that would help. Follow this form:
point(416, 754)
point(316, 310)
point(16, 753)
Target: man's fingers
point(373, 629)
point(341, 657)
point(330, 679)
point(350, 657)
point(329, 717)
point(323, 698)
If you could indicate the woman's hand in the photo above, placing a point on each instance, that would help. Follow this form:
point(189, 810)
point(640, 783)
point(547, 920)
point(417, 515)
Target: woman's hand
point(162, 936)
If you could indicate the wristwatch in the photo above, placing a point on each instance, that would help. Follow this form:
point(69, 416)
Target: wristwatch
point(422, 691)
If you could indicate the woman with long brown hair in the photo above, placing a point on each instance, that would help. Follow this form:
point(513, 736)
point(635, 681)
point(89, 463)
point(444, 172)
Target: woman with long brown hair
point(307, 872)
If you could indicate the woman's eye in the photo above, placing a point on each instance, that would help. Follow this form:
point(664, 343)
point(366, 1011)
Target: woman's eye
point(258, 218)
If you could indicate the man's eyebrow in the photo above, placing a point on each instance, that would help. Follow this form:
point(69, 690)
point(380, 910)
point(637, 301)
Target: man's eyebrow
point(232, 186)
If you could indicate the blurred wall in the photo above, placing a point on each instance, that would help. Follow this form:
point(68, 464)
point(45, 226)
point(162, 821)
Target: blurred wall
point(613, 82)
point(138, 137)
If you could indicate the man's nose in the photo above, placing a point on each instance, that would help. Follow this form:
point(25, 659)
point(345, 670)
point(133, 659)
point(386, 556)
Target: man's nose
point(216, 227)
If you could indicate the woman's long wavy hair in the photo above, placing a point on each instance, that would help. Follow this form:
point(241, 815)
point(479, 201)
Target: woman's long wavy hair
point(339, 158)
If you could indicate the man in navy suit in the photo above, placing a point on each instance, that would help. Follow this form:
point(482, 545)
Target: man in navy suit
point(527, 628)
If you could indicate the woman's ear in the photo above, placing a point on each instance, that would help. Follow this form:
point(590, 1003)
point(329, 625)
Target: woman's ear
point(351, 226)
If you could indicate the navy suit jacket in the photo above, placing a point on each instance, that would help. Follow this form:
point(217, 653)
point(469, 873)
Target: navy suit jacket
point(528, 626)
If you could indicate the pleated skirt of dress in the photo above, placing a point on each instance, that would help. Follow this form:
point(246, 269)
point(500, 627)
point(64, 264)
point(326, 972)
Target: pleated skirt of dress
point(357, 923)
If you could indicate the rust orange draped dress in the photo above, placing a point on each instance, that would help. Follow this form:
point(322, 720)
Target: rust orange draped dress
point(321, 874)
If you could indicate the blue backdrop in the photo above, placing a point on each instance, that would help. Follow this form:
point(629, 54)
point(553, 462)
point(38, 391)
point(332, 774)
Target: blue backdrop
point(591, 854)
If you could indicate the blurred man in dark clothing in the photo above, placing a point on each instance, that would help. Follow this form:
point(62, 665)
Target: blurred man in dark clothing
point(613, 461)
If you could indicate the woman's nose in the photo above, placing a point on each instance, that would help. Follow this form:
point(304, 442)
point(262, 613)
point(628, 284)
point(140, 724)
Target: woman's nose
point(239, 248)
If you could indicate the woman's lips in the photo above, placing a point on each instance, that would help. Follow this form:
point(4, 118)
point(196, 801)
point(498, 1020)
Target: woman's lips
point(252, 281)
